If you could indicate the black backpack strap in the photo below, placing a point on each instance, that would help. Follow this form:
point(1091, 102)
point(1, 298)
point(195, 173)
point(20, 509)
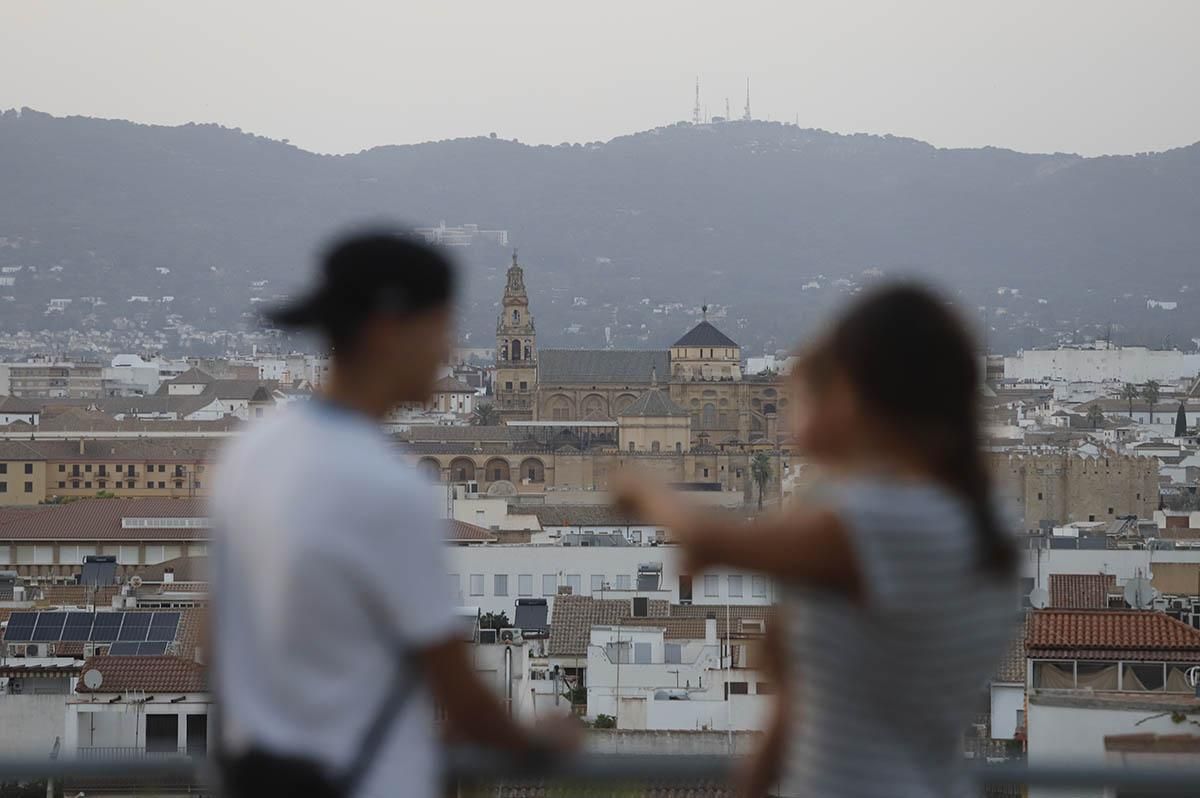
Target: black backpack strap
point(404, 684)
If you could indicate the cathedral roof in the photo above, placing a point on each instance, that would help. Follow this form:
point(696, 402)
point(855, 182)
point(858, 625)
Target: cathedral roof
point(573, 366)
point(705, 334)
point(654, 403)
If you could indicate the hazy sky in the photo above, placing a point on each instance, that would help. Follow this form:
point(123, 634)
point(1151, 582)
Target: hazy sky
point(1088, 76)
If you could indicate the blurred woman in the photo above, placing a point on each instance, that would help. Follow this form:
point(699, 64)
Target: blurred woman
point(898, 577)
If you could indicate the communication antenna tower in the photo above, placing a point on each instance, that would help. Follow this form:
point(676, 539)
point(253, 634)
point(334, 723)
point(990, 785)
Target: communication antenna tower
point(696, 108)
point(747, 116)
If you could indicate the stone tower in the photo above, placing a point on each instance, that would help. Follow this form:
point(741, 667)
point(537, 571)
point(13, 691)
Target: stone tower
point(516, 350)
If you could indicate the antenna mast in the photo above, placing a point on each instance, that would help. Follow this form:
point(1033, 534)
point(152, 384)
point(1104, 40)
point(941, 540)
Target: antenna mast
point(747, 116)
point(727, 116)
point(696, 108)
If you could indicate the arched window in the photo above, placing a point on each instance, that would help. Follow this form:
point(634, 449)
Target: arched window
point(655, 447)
point(708, 416)
point(516, 316)
point(632, 446)
point(516, 349)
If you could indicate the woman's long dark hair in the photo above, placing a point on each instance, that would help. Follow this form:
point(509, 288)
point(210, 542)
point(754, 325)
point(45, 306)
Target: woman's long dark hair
point(912, 363)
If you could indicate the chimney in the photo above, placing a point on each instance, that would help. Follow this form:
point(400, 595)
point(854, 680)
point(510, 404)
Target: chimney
point(710, 629)
point(81, 447)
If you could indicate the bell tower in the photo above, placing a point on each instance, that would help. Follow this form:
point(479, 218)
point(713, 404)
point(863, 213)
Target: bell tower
point(516, 350)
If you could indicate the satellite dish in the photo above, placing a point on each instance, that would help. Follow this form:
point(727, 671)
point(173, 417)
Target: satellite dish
point(1192, 675)
point(1039, 598)
point(92, 679)
point(135, 582)
point(1139, 593)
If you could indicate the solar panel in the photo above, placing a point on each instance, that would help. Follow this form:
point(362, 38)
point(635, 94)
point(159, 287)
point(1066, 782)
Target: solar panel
point(151, 649)
point(136, 625)
point(20, 627)
point(78, 626)
point(106, 627)
point(163, 627)
point(123, 649)
point(49, 627)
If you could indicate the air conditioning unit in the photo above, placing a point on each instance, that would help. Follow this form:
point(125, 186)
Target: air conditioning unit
point(487, 636)
point(510, 635)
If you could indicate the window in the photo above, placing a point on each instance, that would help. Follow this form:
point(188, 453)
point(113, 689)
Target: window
point(706, 473)
point(103, 470)
point(524, 385)
point(62, 484)
point(61, 468)
point(655, 447)
point(29, 468)
point(678, 447)
point(575, 582)
point(1039, 495)
point(597, 583)
point(87, 485)
point(120, 469)
point(508, 386)
point(3, 487)
point(624, 582)
point(88, 468)
point(162, 485)
point(672, 653)
point(712, 586)
point(617, 652)
point(737, 688)
point(525, 584)
point(549, 584)
point(3, 468)
point(75, 484)
point(476, 584)
point(641, 653)
point(500, 585)
point(162, 734)
point(178, 484)
point(161, 468)
point(129, 484)
point(632, 446)
point(1110, 511)
point(758, 586)
point(735, 586)
point(29, 487)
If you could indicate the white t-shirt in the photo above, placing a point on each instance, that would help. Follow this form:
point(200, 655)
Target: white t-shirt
point(326, 562)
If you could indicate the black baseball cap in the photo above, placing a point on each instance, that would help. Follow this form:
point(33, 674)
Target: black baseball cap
point(368, 273)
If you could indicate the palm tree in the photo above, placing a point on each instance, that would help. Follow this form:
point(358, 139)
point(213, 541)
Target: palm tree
point(485, 415)
point(1130, 393)
point(1151, 392)
point(760, 472)
point(1095, 415)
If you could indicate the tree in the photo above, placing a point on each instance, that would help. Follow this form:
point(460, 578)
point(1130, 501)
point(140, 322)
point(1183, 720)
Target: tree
point(494, 620)
point(1181, 421)
point(760, 472)
point(1151, 392)
point(485, 415)
point(1130, 393)
point(1095, 415)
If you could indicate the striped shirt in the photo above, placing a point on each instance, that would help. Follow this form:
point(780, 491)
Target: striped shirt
point(884, 687)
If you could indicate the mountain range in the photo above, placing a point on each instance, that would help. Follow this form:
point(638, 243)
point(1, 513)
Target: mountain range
point(772, 223)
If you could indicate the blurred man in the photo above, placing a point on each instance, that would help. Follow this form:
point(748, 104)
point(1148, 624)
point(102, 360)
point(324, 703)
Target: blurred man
point(333, 630)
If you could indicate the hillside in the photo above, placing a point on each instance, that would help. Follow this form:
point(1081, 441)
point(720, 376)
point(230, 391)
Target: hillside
point(741, 214)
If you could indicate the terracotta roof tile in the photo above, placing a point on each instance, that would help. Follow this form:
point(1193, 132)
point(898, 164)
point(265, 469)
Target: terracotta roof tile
point(573, 617)
point(1110, 634)
point(100, 519)
point(1080, 591)
point(1012, 667)
point(165, 674)
point(462, 531)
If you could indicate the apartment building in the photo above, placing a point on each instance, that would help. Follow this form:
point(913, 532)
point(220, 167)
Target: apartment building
point(39, 471)
point(52, 379)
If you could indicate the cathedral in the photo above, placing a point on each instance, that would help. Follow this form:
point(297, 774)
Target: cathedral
point(691, 395)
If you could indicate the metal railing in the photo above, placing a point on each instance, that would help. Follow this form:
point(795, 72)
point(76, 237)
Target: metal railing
point(127, 753)
point(475, 767)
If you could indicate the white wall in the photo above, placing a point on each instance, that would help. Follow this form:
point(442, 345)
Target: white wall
point(1075, 735)
point(564, 561)
point(1122, 563)
point(29, 724)
point(1007, 701)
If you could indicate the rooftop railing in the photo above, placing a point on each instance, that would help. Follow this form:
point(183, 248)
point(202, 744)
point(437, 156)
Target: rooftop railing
point(474, 768)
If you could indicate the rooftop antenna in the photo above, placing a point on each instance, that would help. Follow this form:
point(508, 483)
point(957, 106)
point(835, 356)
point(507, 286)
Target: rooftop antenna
point(704, 311)
point(727, 116)
point(747, 116)
point(696, 108)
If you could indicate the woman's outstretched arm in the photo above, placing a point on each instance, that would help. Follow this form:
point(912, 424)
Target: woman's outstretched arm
point(805, 544)
point(764, 768)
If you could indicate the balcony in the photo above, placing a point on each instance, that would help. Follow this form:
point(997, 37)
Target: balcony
point(130, 754)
